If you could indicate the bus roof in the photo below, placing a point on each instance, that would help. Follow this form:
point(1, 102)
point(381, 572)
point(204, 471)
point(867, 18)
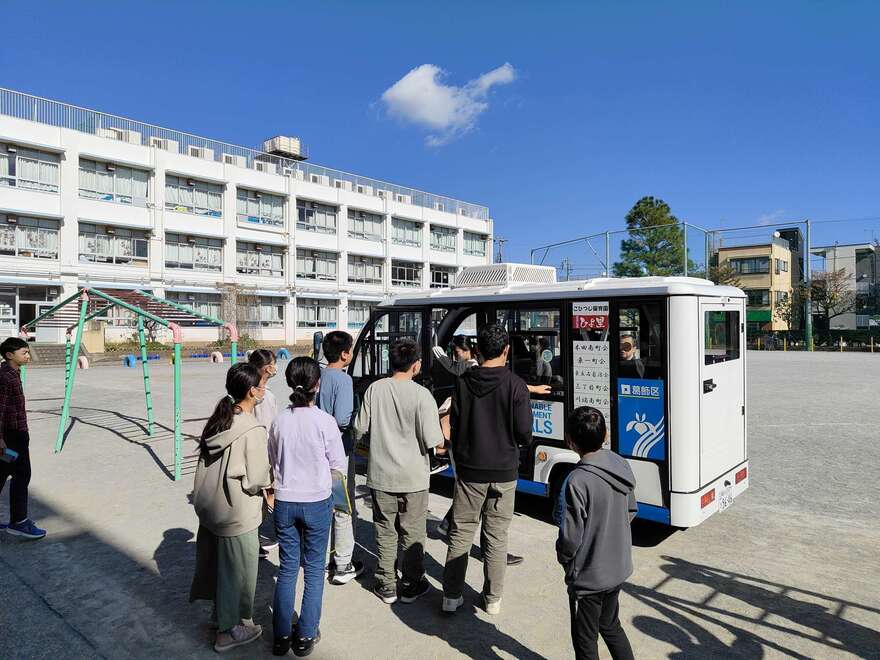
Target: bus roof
point(602, 287)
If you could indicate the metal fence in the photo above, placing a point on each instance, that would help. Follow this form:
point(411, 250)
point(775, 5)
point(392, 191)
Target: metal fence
point(63, 115)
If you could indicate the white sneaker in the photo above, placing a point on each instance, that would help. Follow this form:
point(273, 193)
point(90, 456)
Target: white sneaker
point(492, 608)
point(451, 605)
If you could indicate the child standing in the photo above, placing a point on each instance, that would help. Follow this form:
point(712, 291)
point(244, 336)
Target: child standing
point(337, 398)
point(404, 425)
point(304, 446)
point(597, 504)
point(265, 412)
point(232, 471)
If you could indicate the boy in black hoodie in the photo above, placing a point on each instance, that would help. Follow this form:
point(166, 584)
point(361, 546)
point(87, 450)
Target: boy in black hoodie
point(597, 504)
point(491, 418)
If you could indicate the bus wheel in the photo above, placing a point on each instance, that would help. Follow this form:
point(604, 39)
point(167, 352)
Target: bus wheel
point(557, 478)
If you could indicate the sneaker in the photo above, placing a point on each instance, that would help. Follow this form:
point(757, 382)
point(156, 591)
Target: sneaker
point(263, 553)
point(386, 594)
point(492, 607)
point(303, 646)
point(512, 560)
point(281, 645)
point(347, 573)
point(443, 527)
point(26, 528)
point(451, 605)
point(237, 636)
point(413, 590)
point(437, 464)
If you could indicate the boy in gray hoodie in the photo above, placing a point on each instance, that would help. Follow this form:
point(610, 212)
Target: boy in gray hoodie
point(596, 506)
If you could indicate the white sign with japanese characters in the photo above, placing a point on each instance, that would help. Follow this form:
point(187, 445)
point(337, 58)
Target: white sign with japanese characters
point(592, 376)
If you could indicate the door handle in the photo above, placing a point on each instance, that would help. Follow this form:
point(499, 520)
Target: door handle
point(708, 386)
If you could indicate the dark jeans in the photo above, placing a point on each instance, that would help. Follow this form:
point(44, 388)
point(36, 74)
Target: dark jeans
point(596, 614)
point(20, 471)
point(301, 527)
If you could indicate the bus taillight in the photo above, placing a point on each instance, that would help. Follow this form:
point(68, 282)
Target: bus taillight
point(707, 498)
point(742, 474)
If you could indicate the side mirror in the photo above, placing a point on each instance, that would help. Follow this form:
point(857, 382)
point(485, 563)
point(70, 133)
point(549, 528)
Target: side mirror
point(317, 340)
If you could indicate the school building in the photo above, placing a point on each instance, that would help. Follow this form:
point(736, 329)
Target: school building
point(260, 236)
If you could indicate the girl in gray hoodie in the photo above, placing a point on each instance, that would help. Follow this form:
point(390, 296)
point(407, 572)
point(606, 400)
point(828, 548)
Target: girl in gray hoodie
point(232, 471)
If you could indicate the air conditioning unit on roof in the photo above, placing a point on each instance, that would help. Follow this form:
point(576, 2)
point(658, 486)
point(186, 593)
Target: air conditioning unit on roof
point(342, 183)
point(320, 179)
point(363, 190)
point(232, 159)
point(264, 166)
point(499, 275)
point(201, 152)
point(165, 144)
point(439, 206)
point(403, 199)
point(132, 137)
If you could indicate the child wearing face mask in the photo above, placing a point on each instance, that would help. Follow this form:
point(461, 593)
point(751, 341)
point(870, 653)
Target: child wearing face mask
point(265, 411)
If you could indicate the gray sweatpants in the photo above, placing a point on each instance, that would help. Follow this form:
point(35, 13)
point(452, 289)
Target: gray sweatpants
point(471, 501)
point(342, 539)
point(400, 518)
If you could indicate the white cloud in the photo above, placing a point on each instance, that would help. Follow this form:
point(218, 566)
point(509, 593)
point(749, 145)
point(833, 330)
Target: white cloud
point(421, 98)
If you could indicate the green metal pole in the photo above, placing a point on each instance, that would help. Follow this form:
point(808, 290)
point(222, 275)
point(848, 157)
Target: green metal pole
point(233, 352)
point(65, 409)
point(67, 352)
point(143, 342)
point(177, 420)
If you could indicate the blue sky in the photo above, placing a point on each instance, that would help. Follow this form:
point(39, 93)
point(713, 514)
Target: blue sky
point(734, 113)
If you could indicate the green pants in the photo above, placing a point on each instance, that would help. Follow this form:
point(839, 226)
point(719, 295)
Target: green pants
point(226, 572)
point(493, 502)
point(400, 518)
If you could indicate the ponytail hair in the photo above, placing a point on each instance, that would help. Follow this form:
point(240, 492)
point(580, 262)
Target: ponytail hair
point(261, 357)
point(240, 379)
point(302, 375)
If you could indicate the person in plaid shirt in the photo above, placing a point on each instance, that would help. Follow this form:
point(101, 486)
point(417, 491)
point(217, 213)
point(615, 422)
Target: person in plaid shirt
point(15, 460)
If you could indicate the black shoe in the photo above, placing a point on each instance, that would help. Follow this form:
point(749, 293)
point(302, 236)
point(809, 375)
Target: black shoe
point(412, 590)
point(281, 646)
point(512, 560)
point(388, 595)
point(303, 646)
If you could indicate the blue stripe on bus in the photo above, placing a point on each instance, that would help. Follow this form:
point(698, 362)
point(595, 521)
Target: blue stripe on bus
point(656, 513)
point(522, 485)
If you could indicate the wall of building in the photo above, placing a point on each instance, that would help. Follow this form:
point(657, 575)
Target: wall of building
point(64, 274)
point(777, 283)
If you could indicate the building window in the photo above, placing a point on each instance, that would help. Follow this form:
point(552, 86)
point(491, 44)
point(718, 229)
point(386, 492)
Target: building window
point(406, 232)
point(313, 313)
point(359, 313)
point(264, 312)
point(257, 259)
point(758, 297)
point(442, 278)
point(751, 265)
point(186, 195)
point(404, 273)
point(111, 245)
point(312, 216)
point(203, 303)
point(781, 266)
point(365, 270)
point(474, 244)
point(193, 252)
point(365, 225)
point(28, 168)
point(781, 297)
point(28, 237)
point(315, 265)
point(113, 183)
point(443, 238)
point(257, 208)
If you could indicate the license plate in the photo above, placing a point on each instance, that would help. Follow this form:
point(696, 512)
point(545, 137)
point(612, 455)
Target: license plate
point(725, 498)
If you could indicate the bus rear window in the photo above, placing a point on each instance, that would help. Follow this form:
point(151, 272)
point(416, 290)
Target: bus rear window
point(721, 336)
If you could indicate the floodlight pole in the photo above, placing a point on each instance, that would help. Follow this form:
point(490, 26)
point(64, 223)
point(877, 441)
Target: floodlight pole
point(808, 303)
point(685, 234)
point(607, 254)
point(68, 388)
point(143, 342)
point(177, 419)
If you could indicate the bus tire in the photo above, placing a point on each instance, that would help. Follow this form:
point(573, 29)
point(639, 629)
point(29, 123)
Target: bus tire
point(557, 478)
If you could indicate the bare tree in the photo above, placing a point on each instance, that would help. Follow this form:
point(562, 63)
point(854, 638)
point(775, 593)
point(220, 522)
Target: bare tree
point(832, 294)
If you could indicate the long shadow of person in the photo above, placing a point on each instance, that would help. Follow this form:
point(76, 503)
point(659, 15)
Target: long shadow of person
point(464, 631)
point(695, 642)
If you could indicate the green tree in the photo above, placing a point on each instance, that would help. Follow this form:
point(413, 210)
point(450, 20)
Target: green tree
point(651, 249)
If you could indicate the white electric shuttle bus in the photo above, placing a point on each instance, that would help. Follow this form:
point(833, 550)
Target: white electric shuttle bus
point(662, 357)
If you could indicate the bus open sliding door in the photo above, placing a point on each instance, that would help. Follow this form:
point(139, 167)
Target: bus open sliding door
point(639, 412)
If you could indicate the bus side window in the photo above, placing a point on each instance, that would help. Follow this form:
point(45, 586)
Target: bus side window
point(535, 345)
point(640, 342)
point(372, 359)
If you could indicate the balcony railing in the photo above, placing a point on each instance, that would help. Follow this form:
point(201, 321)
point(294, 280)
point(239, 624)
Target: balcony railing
point(63, 115)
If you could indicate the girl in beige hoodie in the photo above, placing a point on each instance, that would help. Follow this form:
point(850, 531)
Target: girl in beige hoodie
point(232, 471)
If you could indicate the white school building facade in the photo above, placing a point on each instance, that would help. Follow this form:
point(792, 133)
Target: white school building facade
point(285, 246)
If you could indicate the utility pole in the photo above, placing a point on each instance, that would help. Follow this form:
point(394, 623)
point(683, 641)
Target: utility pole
point(499, 256)
point(566, 267)
point(808, 327)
